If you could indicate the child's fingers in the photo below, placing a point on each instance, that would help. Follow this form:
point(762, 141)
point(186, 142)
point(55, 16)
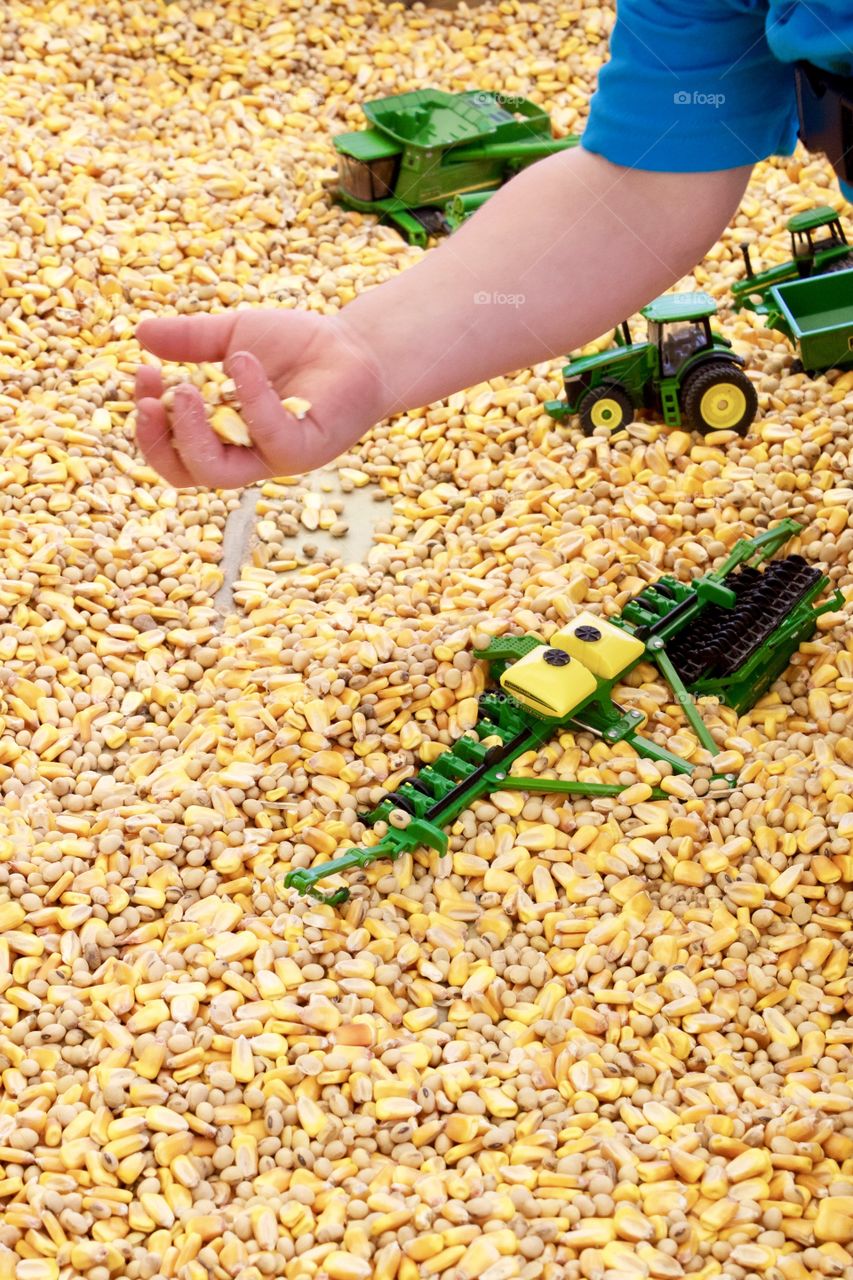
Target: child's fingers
point(154, 439)
point(193, 338)
point(209, 462)
point(260, 407)
point(149, 384)
point(282, 439)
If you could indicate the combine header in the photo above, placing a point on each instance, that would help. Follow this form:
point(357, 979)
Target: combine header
point(727, 635)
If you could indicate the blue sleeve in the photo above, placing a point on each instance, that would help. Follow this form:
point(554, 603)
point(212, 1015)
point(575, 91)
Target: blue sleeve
point(820, 32)
point(692, 86)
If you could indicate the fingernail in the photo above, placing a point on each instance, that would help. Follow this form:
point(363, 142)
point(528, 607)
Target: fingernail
point(238, 362)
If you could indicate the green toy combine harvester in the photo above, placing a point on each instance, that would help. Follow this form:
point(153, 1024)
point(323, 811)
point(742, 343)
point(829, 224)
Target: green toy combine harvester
point(727, 635)
point(429, 159)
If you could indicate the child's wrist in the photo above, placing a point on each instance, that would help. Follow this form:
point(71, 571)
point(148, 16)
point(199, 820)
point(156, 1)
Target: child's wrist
point(367, 335)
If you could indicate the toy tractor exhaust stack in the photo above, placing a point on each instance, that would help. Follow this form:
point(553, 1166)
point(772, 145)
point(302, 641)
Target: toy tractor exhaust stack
point(747, 261)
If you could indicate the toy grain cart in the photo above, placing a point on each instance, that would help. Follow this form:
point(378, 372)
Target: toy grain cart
point(728, 635)
point(812, 254)
point(424, 149)
point(684, 371)
point(816, 314)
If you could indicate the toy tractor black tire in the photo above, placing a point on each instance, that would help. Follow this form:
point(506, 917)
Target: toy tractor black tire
point(840, 264)
point(606, 406)
point(718, 396)
point(431, 219)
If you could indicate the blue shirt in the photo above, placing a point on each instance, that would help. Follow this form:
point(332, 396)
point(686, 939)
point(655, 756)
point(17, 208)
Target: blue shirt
point(697, 85)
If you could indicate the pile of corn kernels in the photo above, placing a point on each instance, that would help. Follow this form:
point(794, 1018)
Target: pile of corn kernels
point(598, 1039)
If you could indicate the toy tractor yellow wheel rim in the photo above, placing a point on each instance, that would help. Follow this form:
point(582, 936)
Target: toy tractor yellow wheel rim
point(607, 413)
point(722, 406)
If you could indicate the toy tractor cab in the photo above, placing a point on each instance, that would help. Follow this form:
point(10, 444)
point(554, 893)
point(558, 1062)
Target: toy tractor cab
point(684, 371)
point(812, 254)
point(425, 149)
point(809, 251)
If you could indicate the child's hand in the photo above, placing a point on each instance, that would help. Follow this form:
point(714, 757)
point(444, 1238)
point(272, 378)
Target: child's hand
point(271, 354)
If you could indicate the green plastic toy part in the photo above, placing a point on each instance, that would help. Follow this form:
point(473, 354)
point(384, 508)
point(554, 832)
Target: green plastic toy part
point(727, 635)
point(684, 371)
point(816, 315)
point(812, 254)
point(809, 299)
point(753, 551)
point(461, 207)
point(425, 149)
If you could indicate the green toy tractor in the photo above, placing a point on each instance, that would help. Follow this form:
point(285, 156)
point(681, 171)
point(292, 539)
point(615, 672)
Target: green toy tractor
point(684, 371)
point(425, 148)
point(812, 254)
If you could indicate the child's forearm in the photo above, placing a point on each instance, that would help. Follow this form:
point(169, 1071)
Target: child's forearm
point(566, 251)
